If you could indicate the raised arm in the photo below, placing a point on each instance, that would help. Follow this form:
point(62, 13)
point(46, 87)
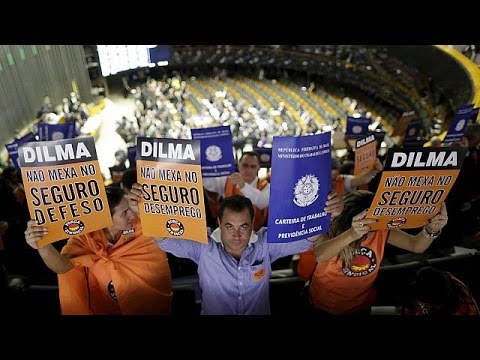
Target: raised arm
point(134, 197)
point(178, 247)
point(326, 249)
point(367, 176)
point(420, 242)
point(215, 184)
point(334, 206)
point(260, 198)
point(181, 248)
point(55, 261)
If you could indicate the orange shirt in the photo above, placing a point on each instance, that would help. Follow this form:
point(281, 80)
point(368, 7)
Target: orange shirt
point(260, 215)
point(340, 290)
point(131, 276)
point(306, 264)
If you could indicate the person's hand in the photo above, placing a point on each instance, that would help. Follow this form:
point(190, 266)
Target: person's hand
point(237, 179)
point(378, 165)
point(360, 224)
point(463, 142)
point(3, 227)
point(134, 197)
point(436, 224)
point(334, 204)
point(34, 233)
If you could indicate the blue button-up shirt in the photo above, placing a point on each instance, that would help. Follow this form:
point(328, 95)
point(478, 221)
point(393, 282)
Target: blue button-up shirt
point(231, 287)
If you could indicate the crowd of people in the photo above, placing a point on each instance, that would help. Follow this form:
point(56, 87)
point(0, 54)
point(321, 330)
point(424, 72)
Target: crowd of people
point(118, 270)
point(161, 111)
point(113, 271)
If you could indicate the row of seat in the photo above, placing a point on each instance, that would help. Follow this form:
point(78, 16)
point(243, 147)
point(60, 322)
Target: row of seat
point(286, 289)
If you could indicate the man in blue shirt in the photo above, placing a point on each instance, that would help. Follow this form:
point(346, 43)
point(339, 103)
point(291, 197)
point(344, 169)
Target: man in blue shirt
point(234, 268)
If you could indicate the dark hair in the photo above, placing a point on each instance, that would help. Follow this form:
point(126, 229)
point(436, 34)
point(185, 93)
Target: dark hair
point(436, 287)
point(8, 172)
point(129, 178)
point(249, 153)
point(472, 130)
point(335, 164)
point(354, 203)
point(114, 196)
point(236, 203)
point(347, 167)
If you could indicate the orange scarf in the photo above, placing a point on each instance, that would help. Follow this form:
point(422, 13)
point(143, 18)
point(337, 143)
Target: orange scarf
point(135, 265)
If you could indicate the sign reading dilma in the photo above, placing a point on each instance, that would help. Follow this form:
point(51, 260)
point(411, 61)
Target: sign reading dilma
point(169, 173)
point(300, 183)
point(64, 187)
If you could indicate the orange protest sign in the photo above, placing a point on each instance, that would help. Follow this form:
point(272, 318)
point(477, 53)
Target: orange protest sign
point(64, 187)
point(402, 123)
point(365, 155)
point(172, 203)
point(414, 184)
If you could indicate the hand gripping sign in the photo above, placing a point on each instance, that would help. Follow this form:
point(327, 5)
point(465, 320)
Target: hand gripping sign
point(414, 184)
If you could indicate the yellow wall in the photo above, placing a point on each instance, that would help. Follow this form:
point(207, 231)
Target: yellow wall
point(473, 72)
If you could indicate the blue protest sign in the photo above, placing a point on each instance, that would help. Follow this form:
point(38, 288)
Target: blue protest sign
point(300, 183)
point(379, 136)
point(216, 150)
point(48, 132)
point(12, 149)
point(459, 124)
point(27, 138)
point(132, 155)
point(474, 115)
point(357, 127)
point(264, 156)
point(413, 134)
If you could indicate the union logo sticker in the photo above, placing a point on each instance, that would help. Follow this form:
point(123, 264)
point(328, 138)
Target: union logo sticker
point(73, 227)
point(175, 227)
point(363, 263)
point(397, 222)
point(259, 274)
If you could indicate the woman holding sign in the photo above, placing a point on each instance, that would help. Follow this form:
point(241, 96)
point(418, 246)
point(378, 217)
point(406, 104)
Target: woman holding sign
point(342, 184)
point(113, 271)
point(350, 255)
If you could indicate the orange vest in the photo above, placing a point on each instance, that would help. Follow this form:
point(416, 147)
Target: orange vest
point(342, 291)
point(213, 203)
point(306, 264)
point(260, 218)
point(131, 277)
